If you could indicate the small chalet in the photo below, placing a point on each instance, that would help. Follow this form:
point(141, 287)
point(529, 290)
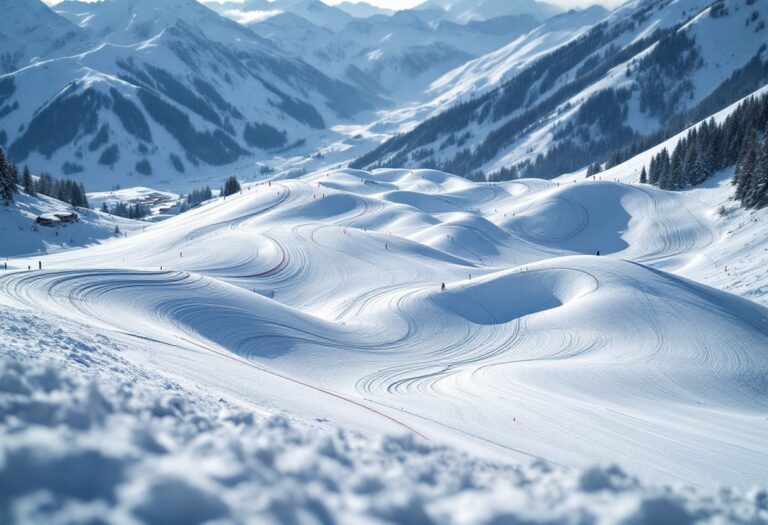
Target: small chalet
point(56, 219)
point(66, 217)
point(48, 219)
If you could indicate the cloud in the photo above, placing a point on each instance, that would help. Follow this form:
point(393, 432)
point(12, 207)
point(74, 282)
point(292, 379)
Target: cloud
point(249, 17)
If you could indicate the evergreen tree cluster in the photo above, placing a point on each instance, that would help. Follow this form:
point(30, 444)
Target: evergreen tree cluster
point(9, 178)
point(741, 83)
point(64, 190)
point(231, 186)
point(712, 147)
point(195, 198)
point(129, 211)
point(199, 196)
point(594, 169)
point(751, 175)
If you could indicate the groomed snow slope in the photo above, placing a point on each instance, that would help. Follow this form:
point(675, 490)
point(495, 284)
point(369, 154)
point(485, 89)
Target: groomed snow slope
point(150, 448)
point(321, 295)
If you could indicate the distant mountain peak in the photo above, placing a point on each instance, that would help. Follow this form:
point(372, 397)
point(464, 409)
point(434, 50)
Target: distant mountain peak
point(466, 10)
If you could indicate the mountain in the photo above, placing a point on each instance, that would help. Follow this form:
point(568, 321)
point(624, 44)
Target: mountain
point(162, 87)
point(315, 11)
point(30, 30)
point(465, 10)
point(363, 9)
point(650, 66)
point(481, 74)
point(376, 54)
point(319, 13)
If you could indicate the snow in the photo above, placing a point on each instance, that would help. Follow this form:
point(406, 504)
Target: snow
point(490, 70)
point(736, 258)
point(321, 295)
point(157, 202)
point(724, 43)
point(286, 354)
point(116, 41)
point(19, 235)
point(157, 451)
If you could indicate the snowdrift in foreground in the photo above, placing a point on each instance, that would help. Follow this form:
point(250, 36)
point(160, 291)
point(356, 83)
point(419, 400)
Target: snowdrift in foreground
point(85, 436)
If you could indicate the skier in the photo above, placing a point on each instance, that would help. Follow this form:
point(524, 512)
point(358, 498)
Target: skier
point(442, 287)
point(39, 265)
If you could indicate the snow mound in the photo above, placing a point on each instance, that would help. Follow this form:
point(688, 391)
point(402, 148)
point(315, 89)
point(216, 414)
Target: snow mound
point(500, 298)
point(634, 222)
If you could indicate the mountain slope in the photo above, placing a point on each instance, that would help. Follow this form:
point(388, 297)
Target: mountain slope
point(646, 65)
point(30, 30)
point(467, 10)
point(165, 86)
point(363, 9)
point(490, 70)
point(377, 54)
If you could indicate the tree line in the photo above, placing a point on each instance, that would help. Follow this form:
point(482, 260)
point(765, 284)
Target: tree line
point(64, 190)
point(129, 211)
point(712, 147)
point(195, 198)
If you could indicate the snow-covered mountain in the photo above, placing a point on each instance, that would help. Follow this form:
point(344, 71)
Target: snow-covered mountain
point(479, 75)
point(472, 79)
point(31, 30)
point(647, 67)
point(376, 54)
point(466, 10)
point(315, 11)
point(363, 9)
point(161, 87)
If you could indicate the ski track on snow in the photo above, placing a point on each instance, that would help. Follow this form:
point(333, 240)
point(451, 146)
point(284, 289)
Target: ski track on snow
point(333, 281)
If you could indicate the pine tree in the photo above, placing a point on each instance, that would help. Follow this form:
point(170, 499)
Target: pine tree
point(760, 198)
point(231, 186)
point(745, 170)
point(14, 178)
point(7, 180)
point(653, 171)
point(28, 182)
point(643, 176)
